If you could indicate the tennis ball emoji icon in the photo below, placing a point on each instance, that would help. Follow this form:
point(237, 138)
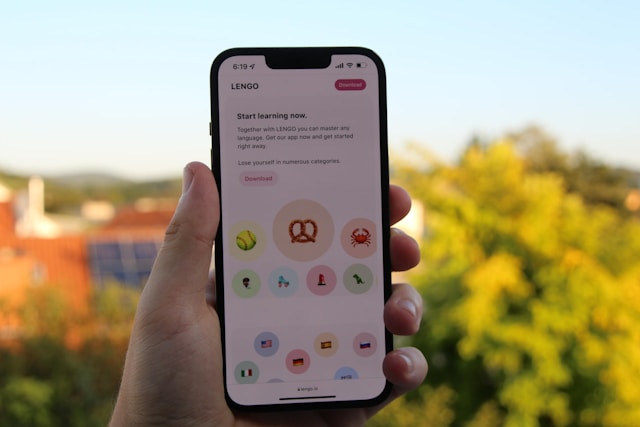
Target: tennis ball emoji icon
point(246, 240)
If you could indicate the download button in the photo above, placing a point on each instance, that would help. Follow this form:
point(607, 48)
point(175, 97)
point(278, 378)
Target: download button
point(258, 178)
point(350, 84)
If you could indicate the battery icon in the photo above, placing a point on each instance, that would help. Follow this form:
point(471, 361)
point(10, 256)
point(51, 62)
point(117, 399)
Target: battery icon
point(361, 65)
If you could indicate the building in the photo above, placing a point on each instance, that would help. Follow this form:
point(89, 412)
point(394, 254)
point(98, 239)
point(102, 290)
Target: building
point(33, 252)
point(36, 250)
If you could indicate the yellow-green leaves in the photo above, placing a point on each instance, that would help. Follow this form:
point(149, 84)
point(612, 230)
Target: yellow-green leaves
point(532, 290)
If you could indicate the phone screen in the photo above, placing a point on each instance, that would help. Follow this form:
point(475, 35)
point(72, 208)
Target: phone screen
point(301, 257)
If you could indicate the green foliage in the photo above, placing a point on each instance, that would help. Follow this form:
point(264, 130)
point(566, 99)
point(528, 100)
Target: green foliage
point(45, 381)
point(67, 198)
point(46, 313)
point(532, 292)
point(12, 181)
point(66, 194)
point(115, 306)
point(431, 407)
point(26, 402)
point(595, 181)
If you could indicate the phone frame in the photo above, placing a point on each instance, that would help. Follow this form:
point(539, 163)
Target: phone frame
point(302, 58)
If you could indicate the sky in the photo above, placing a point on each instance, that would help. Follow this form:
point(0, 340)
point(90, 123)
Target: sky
point(123, 86)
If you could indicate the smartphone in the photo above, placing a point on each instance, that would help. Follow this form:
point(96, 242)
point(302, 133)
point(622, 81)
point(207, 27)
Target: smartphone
point(299, 151)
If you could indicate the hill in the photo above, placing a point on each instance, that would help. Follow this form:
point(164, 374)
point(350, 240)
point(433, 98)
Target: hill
point(66, 193)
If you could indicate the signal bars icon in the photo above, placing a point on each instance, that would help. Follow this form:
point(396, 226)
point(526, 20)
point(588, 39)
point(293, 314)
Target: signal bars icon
point(351, 64)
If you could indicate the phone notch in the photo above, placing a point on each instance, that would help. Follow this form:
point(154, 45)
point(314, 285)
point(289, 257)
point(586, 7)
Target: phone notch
point(297, 58)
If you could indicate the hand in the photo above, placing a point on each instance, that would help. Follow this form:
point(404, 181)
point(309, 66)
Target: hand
point(173, 368)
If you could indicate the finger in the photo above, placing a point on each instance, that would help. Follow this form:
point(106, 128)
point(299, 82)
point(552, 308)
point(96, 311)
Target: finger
point(405, 252)
point(399, 203)
point(183, 262)
point(403, 310)
point(405, 368)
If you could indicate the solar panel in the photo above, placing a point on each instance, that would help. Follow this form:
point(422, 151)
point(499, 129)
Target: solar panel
point(122, 260)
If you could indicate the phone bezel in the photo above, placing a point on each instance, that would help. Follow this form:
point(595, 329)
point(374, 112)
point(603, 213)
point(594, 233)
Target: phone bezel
point(302, 58)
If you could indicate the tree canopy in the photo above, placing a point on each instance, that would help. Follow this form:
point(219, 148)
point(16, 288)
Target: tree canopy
point(532, 292)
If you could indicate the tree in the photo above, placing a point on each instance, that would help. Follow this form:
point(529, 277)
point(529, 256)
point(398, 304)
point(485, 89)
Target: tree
point(595, 181)
point(26, 402)
point(47, 379)
point(532, 294)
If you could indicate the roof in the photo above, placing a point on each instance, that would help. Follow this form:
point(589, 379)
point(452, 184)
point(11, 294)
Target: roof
point(136, 222)
point(7, 219)
point(60, 261)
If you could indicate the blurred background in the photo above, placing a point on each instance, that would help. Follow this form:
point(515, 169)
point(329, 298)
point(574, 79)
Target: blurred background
point(514, 125)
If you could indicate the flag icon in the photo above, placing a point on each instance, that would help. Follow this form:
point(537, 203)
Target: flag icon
point(246, 373)
point(298, 362)
point(326, 344)
point(365, 344)
point(266, 343)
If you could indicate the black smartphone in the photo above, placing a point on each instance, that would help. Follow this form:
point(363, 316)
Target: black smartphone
point(299, 151)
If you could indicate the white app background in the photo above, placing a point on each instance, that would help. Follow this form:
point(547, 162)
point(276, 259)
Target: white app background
point(301, 214)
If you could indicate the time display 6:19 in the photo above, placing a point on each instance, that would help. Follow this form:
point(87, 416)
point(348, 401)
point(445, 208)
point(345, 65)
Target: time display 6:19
point(243, 66)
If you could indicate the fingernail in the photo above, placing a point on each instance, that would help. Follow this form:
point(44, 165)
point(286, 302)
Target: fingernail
point(187, 178)
point(408, 306)
point(408, 361)
point(396, 232)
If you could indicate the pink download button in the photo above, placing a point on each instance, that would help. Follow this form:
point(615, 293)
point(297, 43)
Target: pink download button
point(350, 84)
point(259, 179)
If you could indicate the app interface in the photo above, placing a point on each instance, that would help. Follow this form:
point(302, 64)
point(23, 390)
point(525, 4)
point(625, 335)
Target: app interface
point(302, 231)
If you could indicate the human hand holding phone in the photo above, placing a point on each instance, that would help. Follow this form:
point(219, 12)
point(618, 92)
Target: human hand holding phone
point(173, 370)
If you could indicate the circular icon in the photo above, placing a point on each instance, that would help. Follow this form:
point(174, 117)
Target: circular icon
point(326, 344)
point(303, 230)
point(346, 373)
point(359, 238)
point(298, 361)
point(321, 280)
point(245, 283)
point(358, 278)
point(246, 241)
point(365, 344)
point(246, 372)
point(266, 344)
point(283, 282)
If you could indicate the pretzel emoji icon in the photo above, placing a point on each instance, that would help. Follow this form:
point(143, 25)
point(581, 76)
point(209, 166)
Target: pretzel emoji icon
point(303, 231)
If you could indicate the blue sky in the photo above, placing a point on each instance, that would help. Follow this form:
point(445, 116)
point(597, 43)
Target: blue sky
point(123, 87)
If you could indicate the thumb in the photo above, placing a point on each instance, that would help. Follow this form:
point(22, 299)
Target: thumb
point(181, 269)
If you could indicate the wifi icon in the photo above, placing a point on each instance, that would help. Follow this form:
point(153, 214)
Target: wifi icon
point(349, 64)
